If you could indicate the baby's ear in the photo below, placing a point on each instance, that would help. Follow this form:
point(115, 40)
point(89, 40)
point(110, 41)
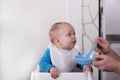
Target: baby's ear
point(56, 41)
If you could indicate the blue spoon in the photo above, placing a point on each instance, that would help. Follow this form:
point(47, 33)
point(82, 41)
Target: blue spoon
point(86, 59)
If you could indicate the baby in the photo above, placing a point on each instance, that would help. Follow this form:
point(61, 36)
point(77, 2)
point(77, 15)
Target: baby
point(60, 55)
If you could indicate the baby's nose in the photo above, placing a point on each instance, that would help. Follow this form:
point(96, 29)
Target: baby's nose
point(74, 36)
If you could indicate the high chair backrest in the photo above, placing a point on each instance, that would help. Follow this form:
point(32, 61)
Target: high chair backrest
point(37, 69)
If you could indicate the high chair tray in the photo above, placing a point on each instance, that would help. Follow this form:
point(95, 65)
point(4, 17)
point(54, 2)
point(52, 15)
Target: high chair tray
point(62, 76)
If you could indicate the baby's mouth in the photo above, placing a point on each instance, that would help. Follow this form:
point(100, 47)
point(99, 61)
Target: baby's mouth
point(74, 42)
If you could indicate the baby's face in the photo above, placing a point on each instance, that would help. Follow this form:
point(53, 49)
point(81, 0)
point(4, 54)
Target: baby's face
point(66, 37)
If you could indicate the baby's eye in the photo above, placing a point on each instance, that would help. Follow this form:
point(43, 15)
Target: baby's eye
point(69, 34)
point(74, 34)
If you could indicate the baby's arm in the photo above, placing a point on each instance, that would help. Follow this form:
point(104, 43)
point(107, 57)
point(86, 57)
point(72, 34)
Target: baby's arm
point(45, 62)
point(46, 65)
point(87, 68)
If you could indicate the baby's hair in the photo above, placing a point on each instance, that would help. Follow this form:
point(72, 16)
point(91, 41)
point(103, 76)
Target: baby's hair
point(54, 29)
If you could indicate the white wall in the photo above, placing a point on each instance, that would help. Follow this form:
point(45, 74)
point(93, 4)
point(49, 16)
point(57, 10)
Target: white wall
point(24, 32)
point(75, 18)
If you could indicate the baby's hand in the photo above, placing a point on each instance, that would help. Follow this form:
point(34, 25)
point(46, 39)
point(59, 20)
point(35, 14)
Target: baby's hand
point(87, 68)
point(54, 72)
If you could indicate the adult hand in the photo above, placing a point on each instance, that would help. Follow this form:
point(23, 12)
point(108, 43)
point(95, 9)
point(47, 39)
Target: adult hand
point(106, 63)
point(102, 45)
point(104, 48)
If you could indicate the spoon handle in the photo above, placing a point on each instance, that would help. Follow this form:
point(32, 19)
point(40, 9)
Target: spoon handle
point(92, 49)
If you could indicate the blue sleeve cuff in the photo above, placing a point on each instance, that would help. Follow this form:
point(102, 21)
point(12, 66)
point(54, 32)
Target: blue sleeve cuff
point(80, 66)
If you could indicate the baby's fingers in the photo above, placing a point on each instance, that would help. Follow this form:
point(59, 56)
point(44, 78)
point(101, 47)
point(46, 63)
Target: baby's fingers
point(55, 75)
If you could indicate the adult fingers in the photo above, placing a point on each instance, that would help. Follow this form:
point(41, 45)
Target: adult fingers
point(100, 57)
point(102, 42)
point(99, 60)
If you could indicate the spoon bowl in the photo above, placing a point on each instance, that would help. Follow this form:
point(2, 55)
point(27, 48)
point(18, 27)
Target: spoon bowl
point(86, 59)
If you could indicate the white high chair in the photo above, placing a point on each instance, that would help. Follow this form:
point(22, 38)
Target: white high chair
point(37, 75)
